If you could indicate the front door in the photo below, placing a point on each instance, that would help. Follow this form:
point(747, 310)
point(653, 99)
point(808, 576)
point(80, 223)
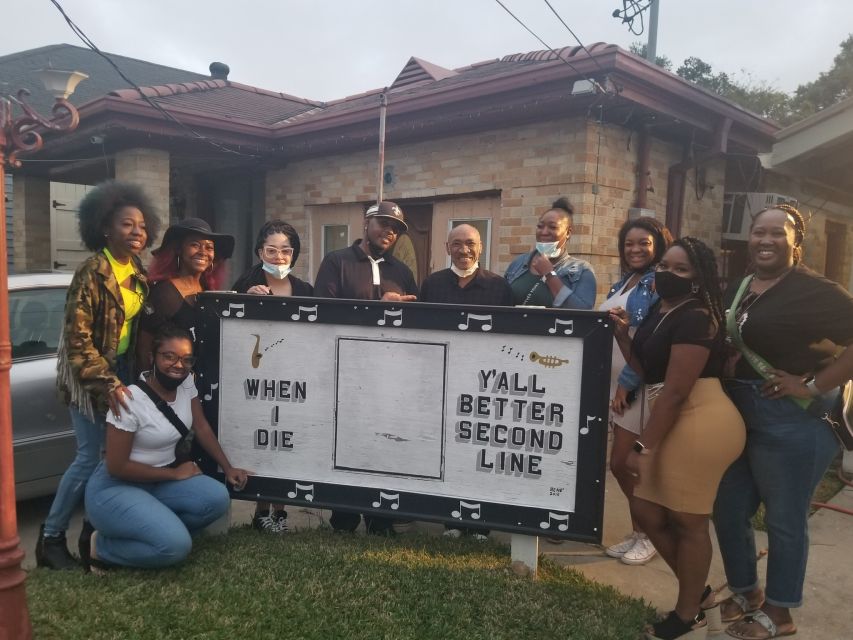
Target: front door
point(67, 250)
point(413, 248)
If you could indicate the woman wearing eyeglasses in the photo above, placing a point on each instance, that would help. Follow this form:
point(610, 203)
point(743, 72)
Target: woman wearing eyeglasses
point(191, 259)
point(143, 506)
point(277, 247)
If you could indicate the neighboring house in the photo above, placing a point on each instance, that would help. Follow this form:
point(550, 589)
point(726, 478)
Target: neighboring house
point(48, 239)
point(492, 143)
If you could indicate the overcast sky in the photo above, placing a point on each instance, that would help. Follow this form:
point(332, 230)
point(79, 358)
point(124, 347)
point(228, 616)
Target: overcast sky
point(326, 49)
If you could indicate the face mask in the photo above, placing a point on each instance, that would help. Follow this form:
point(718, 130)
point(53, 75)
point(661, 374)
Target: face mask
point(277, 271)
point(168, 382)
point(670, 286)
point(464, 274)
point(548, 249)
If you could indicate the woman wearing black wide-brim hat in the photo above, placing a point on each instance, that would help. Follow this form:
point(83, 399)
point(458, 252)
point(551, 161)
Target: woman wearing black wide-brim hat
point(191, 259)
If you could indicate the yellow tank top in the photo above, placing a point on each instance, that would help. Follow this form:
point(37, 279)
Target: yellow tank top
point(132, 299)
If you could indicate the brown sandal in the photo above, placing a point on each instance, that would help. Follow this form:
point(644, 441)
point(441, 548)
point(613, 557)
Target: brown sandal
point(737, 605)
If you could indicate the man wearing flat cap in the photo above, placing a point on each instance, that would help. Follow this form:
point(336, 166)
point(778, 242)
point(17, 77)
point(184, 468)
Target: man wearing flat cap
point(366, 271)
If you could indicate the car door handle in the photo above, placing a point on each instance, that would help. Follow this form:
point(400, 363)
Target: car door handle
point(57, 265)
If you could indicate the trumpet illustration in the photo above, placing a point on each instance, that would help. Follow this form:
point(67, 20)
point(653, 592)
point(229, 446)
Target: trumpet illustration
point(550, 362)
point(256, 352)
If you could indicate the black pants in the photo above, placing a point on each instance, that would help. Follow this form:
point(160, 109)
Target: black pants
point(348, 521)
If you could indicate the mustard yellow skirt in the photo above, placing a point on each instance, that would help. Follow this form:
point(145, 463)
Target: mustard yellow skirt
point(684, 471)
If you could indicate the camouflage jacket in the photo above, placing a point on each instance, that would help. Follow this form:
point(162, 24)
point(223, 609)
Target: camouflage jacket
point(94, 315)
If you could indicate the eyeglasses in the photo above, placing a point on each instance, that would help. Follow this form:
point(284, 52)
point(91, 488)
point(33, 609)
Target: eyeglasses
point(273, 252)
point(172, 358)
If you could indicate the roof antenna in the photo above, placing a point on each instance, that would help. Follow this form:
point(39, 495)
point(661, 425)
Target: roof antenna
point(383, 106)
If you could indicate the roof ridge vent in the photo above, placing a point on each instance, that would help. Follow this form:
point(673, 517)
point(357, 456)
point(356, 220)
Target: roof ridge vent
point(417, 70)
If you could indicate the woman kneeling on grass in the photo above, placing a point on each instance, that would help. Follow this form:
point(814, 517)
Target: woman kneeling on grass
point(142, 505)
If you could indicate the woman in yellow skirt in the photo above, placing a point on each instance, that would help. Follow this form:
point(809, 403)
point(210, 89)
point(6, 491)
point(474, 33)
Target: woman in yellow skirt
point(693, 432)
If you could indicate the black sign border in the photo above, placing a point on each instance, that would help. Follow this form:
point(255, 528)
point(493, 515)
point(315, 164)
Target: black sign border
point(584, 523)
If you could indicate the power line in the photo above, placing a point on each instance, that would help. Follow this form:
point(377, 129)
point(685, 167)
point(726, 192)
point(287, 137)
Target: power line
point(554, 11)
point(594, 82)
point(91, 45)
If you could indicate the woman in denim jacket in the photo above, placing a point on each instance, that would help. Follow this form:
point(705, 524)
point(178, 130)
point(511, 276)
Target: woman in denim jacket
point(548, 276)
point(642, 243)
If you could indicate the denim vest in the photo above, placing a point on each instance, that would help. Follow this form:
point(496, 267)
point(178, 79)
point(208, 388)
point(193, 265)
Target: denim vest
point(640, 300)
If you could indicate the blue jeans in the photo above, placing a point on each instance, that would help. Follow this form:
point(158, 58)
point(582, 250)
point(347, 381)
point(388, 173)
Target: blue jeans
point(787, 452)
point(90, 443)
point(150, 524)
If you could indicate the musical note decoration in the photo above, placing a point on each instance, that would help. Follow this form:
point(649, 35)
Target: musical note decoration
point(391, 500)
point(471, 509)
point(549, 362)
point(239, 310)
point(485, 321)
point(302, 492)
point(567, 325)
point(209, 394)
point(562, 520)
point(310, 313)
point(589, 423)
point(395, 316)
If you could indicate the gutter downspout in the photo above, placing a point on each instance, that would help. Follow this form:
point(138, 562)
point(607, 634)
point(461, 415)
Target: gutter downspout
point(677, 176)
point(644, 149)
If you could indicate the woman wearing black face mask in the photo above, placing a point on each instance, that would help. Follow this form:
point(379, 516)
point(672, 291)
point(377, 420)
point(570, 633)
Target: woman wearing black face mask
point(693, 432)
point(142, 507)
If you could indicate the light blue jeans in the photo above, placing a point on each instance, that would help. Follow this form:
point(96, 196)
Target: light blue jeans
point(90, 443)
point(787, 452)
point(149, 525)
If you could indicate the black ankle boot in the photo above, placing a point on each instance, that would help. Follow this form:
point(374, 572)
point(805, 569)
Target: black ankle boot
point(673, 627)
point(84, 545)
point(52, 552)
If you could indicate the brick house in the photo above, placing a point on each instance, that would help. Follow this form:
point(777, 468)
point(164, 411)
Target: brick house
point(492, 143)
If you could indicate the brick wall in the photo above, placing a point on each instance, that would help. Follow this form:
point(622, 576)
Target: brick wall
point(32, 224)
point(529, 166)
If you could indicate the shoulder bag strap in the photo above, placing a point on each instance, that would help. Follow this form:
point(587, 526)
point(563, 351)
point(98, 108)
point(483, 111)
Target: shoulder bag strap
point(758, 363)
point(164, 408)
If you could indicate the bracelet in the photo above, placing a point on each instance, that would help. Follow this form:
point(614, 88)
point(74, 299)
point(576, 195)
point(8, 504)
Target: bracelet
point(811, 385)
point(550, 273)
point(639, 447)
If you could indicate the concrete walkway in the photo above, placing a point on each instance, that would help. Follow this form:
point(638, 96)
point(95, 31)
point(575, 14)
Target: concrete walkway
point(826, 614)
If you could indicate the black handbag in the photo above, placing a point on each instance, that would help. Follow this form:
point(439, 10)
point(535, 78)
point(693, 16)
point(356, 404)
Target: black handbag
point(183, 447)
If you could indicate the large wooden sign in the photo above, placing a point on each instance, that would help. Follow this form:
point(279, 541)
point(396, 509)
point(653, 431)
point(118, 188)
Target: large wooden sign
point(488, 417)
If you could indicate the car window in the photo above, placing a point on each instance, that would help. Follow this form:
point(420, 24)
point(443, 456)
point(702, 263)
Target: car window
point(35, 321)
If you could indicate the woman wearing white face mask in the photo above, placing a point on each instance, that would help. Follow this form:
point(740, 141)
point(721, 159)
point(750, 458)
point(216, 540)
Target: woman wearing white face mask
point(548, 276)
point(277, 246)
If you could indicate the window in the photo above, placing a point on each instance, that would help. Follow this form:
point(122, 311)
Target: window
point(335, 236)
point(484, 226)
point(35, 321)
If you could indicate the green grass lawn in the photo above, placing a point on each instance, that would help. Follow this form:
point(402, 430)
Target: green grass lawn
point(317, 584)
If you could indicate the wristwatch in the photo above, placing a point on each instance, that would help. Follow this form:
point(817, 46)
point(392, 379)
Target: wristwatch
point(639, 447)
point(547, 275)
point(809, 381)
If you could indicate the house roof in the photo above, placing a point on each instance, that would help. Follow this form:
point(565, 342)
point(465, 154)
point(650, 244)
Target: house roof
point(18, 70)
point(426, 100)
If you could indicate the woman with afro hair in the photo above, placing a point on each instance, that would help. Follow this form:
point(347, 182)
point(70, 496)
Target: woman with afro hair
point(117, 222)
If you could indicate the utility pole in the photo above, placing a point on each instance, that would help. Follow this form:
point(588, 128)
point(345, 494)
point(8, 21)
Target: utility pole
point(652, 44)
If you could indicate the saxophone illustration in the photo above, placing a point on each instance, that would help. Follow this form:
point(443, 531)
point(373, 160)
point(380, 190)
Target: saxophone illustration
point(256, 352)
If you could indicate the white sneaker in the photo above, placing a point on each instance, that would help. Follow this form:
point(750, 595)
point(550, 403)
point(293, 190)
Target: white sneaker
point(479, 537)
point(621, 548)
point(452, 533)
point(641, 553)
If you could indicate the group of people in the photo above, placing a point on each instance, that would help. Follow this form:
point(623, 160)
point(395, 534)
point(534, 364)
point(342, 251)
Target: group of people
point(715, 405)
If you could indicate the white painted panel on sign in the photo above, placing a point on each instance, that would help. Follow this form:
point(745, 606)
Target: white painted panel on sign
point(390, 407)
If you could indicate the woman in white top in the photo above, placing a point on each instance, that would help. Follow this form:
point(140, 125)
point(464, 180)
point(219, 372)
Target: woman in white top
point(142, 506)
point(642, 243)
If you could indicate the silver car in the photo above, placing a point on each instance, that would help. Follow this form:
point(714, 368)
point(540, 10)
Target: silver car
point(42, 435)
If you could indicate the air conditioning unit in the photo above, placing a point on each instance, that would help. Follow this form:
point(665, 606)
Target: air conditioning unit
point(739, 207)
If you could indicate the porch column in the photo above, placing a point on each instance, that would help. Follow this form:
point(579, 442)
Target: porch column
point(31, 220)
point(148, 168)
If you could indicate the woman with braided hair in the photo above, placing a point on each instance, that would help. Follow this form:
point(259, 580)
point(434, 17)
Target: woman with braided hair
point(781, 319)
point(693, 432)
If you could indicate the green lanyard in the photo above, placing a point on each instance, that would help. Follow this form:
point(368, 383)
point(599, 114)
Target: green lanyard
point(758, 363)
